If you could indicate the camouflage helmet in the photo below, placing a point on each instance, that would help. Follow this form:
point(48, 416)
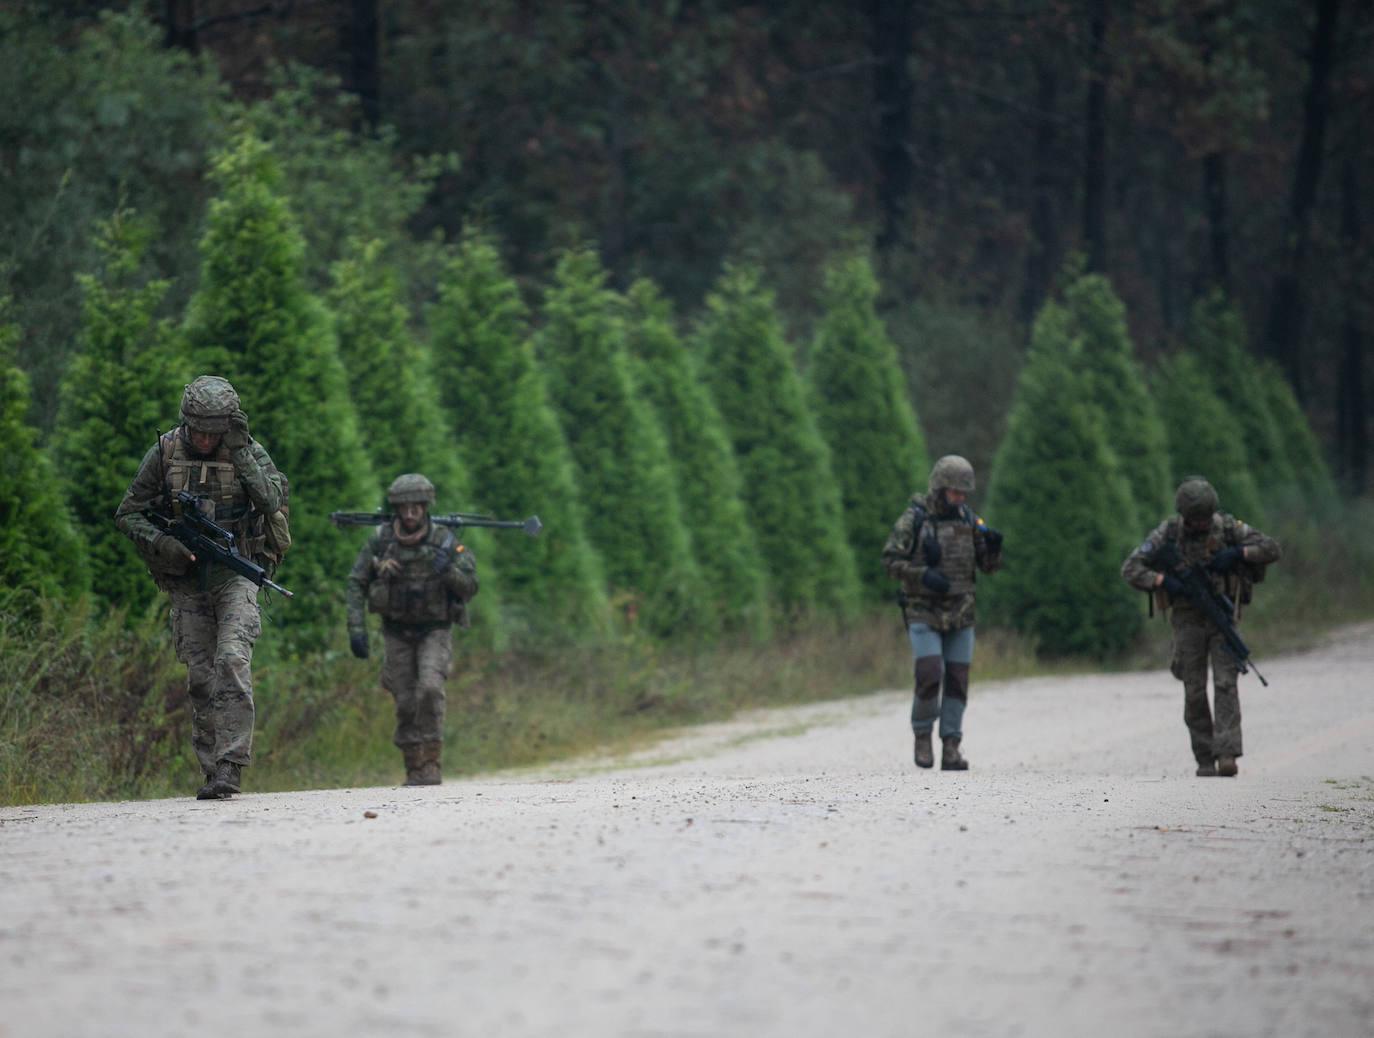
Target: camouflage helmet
point(411, 488)
point(207, 404)
point(1195, 498)
point(952, 472)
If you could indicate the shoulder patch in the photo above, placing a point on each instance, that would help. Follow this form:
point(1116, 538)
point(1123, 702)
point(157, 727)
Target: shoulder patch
point(1148, 548)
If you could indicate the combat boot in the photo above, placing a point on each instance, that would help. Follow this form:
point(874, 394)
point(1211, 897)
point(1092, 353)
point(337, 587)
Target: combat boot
point(226, 782)
point(207, 791)
point(1226, 766)
point(415, 763)
point(952, 759)
point(429, 763)
point(925, 755)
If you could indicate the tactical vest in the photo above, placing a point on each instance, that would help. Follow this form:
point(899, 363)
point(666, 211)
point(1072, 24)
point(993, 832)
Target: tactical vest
point(954, 534)
point(212, 481)
point(415, 594)
point(1237, 585)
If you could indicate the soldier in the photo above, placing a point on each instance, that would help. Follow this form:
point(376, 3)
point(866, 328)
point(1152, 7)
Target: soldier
point(419, 577)
point(1233, 556)
point(935, 549)
point(215, 619)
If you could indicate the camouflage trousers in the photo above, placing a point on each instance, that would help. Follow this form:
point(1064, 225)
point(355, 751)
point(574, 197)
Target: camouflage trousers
point(414, 671)
point(214, 631)
point(1214, 731)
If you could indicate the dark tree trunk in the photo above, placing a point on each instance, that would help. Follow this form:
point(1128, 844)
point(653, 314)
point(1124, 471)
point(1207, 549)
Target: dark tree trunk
point(360, 43)
point(1042, 252)
point(1218, 241)
point(1095, 140)
point(892, 94)
point(1352, 431)
point(180, 16)
point(1287, 302)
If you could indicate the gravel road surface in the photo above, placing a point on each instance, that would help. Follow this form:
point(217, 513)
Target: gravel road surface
point(789, 873)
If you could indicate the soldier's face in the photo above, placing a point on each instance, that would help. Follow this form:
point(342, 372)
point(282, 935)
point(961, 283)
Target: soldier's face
point(204, 442)
point(1198, 525)
point(412, 516)
point(954, 497)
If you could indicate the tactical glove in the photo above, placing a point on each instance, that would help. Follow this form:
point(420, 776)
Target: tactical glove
point(935, 581)
point(175, 557)
point(1173, 585)
point(992, 537)
point(1224, 560)
point(931, 548)
point(357, 642)
point(238, 435)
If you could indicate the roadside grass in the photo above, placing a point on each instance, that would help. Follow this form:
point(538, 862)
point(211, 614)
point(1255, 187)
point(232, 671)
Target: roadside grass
point(92, 705)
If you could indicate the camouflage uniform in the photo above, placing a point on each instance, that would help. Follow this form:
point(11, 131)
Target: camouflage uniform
point(214, 625)
point(1215, 738)
point(935, 549)
point(419, 585)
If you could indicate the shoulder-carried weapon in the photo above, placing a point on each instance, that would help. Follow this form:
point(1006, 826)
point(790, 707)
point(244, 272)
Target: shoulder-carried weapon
point(1214, 605)
point(453, 520)
point(198, 532)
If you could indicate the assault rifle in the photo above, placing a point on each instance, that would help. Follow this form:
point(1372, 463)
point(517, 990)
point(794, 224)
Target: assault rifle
point(1213, 604)
point(198, 532)
point(453, 520)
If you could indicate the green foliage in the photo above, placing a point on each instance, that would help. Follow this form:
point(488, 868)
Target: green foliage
point(92, 703)
point(40, 552)
point(708, 480)
point(112, 118)
point(552, 587)
point(253, 321)
point(344, 186)
point(1061, 499)
point(861, 408)
point(1133, 427)
point(1310, 473)
point(790, 491)
point(119, 391)
point(1204, 437)
point(619, 452)
point(961, 367)
point(1216, 334)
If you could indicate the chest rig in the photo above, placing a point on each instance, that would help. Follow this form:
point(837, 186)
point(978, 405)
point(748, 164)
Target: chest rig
point(215, 485)
point(954, 535)
point(415, 593)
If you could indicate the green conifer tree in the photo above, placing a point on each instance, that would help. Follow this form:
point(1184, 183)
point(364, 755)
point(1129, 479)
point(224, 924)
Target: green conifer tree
point(1310, 473)
point(708, 480)
point(40, 552)
point(1059, 496)
point(790, 492)
point(1204, 437)
point(253, 321)
point(862, 409)
point(1216, 333)
point(1135, 432)
point(119, 391)
point(618, 451)
point(495, 399)
point(391, 380)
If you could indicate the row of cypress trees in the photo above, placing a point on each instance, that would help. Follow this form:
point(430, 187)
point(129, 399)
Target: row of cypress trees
point(693, 484)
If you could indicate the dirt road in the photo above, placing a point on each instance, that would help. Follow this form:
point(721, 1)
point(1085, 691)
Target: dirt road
point(787, 874)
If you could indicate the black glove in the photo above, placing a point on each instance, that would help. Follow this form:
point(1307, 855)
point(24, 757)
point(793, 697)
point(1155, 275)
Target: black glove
point(992, 537)
point(1224, 560)
point(174, 556)
point(357, 641)
point(931, 547)
point(1173, 585)
point(935, 580)
point(238, 435)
